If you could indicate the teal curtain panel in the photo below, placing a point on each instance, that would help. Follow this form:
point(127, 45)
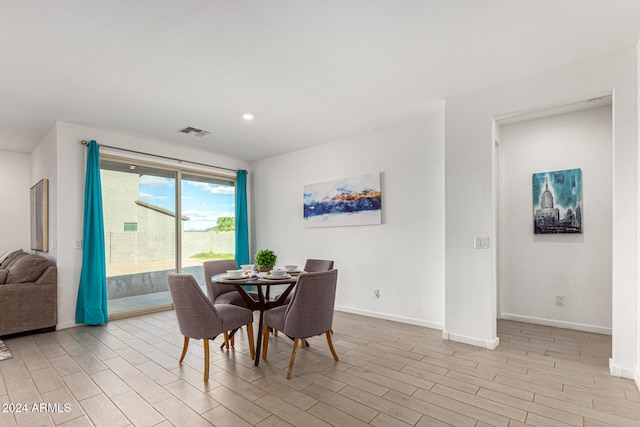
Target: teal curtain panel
point(91, 306)
point(242, 222)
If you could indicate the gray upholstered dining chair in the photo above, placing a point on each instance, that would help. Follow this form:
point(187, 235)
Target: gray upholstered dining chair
point(198, 318)
point(313, 266)
point(310, 313)
point(223, 294)
point(310, 266)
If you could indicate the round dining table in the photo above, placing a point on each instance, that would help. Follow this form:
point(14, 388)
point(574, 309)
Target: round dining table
point(263, 283)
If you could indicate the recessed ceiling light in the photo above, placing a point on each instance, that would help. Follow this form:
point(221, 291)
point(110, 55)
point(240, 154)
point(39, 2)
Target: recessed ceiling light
point(248, 116)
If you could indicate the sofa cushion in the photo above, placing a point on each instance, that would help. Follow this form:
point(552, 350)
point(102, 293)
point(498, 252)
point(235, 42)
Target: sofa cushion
point(11, 258)
point(3, 276)
point(4, 253)
point(27, 268)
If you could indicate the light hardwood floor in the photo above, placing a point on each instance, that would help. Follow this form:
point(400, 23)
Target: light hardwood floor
point(389, 374)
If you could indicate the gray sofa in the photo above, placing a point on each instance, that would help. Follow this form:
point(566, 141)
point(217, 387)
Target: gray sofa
point(28, 293)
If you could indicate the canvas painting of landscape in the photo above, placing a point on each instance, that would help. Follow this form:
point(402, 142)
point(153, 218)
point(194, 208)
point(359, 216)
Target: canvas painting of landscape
point(349, 201)
point(557, 202)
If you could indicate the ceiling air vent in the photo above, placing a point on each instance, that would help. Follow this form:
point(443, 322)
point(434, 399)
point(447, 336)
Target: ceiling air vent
point(194, 131)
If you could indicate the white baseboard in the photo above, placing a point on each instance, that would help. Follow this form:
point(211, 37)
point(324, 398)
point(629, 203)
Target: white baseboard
point(557, 323)
point(488, 344)
point(401, 319)
point(67, 325)
point(619, 371)
point(492, 345)
point(433, 325)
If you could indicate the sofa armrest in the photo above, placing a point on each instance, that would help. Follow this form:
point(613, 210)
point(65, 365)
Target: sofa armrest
point(50, 276)
point(29, 306)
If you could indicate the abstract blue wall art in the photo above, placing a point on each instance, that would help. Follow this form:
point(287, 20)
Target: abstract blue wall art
point(557, 202)
point(349, 201)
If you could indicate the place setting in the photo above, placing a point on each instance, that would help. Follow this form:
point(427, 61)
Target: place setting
point(280, 273)
point(245, 274)
point(293, 269)
point(275, 274)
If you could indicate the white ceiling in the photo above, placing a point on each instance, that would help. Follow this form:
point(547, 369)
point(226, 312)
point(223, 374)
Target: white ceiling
point(311, 71)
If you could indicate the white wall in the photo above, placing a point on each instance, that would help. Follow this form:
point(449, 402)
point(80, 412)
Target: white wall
point(533, 269)
point(70, 164)
point(14, 214)
point(43, 165)
point(403, 257)
point(637, 374)
point(471, 201)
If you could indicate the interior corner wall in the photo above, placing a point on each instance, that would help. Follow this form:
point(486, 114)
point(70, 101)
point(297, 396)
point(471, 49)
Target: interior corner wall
point(534, 268)
point(637, 371)
point(470, 203)
point(15, 213)
point(43, 165)
point(404, 256)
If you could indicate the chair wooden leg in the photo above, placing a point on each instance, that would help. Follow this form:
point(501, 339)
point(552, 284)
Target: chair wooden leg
point(333, 350)
point(252, 349)
point(265, 341)
point(233, 340)
point(293, 357)
point(304, 343)
point(206, 360)
point(184, 349)
point(226, 340)
point(275, 332)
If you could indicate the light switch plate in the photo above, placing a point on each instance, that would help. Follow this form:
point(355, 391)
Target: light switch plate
point(481, 243)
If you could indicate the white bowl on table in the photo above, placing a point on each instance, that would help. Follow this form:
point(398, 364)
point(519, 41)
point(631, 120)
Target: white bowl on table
point(291, 268)
point(277, 273)
point(235, 274)
point(248, 267)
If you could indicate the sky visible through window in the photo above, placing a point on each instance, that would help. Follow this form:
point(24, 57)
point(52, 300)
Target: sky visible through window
point(202, 202)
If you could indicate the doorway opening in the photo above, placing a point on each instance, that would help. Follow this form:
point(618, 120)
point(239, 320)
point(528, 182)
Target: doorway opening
point(560, 279)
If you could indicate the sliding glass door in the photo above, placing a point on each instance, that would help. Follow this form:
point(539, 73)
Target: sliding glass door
point(158, 220)
point(208, 232)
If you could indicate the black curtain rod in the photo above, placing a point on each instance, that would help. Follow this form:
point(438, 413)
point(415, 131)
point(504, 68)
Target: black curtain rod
point(85, 142)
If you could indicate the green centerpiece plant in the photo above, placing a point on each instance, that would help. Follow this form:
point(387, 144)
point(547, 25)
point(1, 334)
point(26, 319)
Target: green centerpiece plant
point(265, 259)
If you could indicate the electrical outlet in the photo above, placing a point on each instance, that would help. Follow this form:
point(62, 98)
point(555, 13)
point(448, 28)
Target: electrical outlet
point(559, 299)
point(376, 293)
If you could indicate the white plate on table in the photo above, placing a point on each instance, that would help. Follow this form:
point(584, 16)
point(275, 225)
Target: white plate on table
point(225, 277)
point(294, 272)
point(270, 277)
